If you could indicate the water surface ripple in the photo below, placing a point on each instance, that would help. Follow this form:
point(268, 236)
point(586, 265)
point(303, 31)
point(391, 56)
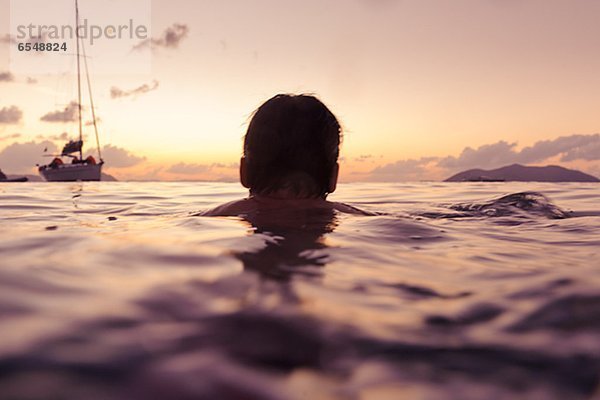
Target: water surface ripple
point(451, 291)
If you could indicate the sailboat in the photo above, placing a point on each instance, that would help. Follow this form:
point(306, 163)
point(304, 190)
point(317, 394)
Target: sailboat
point(77, 169)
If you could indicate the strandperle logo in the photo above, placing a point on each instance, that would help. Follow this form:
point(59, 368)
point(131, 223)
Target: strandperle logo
point(85, 31)
point(115, 36)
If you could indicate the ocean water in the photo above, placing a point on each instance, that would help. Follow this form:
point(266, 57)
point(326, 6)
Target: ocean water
point(452, 291)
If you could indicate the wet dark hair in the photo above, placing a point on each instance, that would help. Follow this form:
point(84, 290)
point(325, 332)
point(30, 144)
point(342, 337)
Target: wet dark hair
point(292, 143)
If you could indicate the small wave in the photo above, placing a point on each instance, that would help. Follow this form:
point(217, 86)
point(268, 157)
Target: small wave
point(570, 313)
point(422, 292)
point(516, 204)
point(476, 314)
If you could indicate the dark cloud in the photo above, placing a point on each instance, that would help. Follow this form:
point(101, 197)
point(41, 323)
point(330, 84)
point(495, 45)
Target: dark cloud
point(10, 115)
point(117, 157)
point(170, 39)
point(6, 77)
point(69, 114)
point(189, 169)
point(116, 93)
point(568, 148)
point(9, 77)
point(22, 157)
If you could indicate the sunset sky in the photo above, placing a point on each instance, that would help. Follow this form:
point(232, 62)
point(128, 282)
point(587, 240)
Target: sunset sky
point(423, 88)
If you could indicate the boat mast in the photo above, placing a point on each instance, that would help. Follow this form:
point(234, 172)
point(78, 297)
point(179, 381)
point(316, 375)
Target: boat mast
point(78, 79)
point(89, 84)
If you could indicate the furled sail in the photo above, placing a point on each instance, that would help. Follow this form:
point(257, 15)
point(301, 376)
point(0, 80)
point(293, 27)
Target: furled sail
point(74, 146)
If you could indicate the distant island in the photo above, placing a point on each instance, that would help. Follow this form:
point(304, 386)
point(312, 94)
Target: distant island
point(108, 178)
point(4, 178)
point(521, 173)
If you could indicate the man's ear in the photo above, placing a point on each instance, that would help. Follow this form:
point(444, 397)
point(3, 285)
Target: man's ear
point(244, 173)
point(334, 178)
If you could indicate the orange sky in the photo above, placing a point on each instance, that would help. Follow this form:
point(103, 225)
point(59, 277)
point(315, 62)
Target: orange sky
point(413, 82)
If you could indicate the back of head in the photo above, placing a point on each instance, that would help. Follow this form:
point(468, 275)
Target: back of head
point(292, 145)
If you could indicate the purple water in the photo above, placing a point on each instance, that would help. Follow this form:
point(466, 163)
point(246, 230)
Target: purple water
point(454, 291)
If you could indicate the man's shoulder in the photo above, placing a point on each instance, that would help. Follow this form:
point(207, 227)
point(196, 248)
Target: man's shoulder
point(232, 209)
point(246, 206)
point(348, 209)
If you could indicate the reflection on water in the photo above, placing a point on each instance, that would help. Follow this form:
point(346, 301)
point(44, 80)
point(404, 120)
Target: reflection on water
point(453, 291)
point(294, 242)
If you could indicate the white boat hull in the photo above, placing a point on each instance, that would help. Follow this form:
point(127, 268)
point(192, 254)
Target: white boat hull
point(72, 173)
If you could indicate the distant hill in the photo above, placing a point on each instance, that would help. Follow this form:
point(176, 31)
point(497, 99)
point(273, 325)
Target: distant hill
point(108, 178)
point(31, 178)
point(521, 173)
point(5, 178)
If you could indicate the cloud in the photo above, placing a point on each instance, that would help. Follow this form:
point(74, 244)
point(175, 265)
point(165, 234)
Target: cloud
point(38, 39)
point(484, 156)
point(565, 144)
point(9, 137)
point(6, 77)
point(232, 165)
point(10, 115)
point(217, 171)
point(589, 152)
point(116, 157)
point(170, 39)
point(91, 123)
point(69, 114)
point(364, 158)
point(594, 170)
point(22, 157)
point(404, 170)
point(116, 93)
point(189, 169)
point(568, 148)
point(62, 137)
point(7, 39)
point(501, 153)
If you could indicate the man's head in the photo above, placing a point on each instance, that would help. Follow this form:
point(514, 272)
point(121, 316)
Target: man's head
point(292, 146)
